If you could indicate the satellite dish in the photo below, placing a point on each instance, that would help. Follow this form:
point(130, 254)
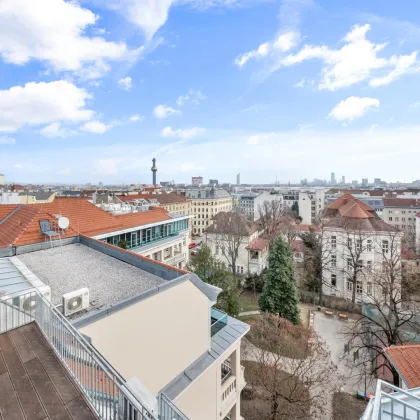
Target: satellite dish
point(63, 222)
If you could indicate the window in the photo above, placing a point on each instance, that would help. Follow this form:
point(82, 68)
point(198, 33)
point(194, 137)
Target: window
point(369, 288)
point(402, 219)
point(333, 260)
point(369, 266)
point(397, 219)
point(333, 242)
point(359, 264)
point(403, 212)
point(359, 244)
point(349, 242)
point(349, 263)
point(349, 286)
point(333, 280)
point(369, 245)
point(385, 246)
point(390, 219)
point(390, 211)
point(359, 288)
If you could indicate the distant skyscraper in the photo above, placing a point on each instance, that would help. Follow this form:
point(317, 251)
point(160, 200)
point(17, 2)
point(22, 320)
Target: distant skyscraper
point(238, 179)
point(154, 170)
point(333, 181)
point(377, 181)
point(214, 182)
point(197, 180)
point(343, 179)
point(365, 181)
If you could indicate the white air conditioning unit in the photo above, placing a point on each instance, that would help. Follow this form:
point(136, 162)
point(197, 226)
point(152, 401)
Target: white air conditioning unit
point(76, 301)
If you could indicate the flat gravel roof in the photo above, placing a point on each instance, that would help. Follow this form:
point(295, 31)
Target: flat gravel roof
point(72, 267)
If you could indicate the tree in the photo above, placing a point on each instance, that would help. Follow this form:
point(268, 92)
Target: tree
point(255, 282)
point(270, 218)
point(279, 294)
point(214, 272)
point(386, 320)
point(229, 232)
point(295, 210)
point(291, 387)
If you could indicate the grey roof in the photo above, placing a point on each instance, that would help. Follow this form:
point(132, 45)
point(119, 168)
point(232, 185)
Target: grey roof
point(220, 342)
point(210, 193)
point(39, 195)
point(72, 267)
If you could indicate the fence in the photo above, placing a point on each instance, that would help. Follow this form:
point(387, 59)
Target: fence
point(101, 384)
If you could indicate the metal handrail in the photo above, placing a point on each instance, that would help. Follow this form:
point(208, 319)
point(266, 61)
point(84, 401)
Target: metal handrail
point(101, 384)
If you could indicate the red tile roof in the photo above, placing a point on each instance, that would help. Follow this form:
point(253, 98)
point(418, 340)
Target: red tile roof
point(401, 202)
point(302, 227)
point(258, 244)
point(6, 209)
point(163, 198)
point(22, 227)
point(344, 199)
point(406, 359)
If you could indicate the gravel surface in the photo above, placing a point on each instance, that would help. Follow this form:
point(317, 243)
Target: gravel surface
point(72, 267)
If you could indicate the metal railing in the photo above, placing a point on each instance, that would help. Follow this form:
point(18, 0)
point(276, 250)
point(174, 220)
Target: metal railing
point(396, 404)
point(101, 384)
point(218, 320)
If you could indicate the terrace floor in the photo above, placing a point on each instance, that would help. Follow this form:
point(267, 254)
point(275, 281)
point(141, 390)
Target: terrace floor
point(34, 384)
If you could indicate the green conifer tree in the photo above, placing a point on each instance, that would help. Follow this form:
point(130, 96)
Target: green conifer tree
point(279, 294)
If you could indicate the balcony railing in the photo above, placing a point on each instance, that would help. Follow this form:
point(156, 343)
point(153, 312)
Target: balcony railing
point(397, 404)
point(218, 320)
point(175, 259)
point(101, 384)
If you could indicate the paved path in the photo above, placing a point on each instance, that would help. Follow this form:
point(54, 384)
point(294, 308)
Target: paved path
point(249, 313)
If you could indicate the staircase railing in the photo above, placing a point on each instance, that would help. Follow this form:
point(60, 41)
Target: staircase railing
point(101, 384)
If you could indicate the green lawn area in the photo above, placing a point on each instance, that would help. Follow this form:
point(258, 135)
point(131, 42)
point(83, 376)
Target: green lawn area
point(249, 301)
point(347, 407)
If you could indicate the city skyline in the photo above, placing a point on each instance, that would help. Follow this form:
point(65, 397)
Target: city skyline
point(284, 100)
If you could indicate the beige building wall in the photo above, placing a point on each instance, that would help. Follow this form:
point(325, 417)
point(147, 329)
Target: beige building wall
point(156, 338)
point(30, 199)
point(205, 209)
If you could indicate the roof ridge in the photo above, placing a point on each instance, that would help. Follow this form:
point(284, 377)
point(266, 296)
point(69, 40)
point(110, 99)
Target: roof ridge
point(24, 207)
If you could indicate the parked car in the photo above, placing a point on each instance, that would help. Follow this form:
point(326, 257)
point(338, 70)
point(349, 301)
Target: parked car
point(192, 245)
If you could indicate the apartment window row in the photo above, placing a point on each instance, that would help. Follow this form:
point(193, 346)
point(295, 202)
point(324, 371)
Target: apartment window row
point(359, 287)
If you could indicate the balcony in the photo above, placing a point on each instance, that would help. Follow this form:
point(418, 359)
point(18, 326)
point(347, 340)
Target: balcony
point(392, 403)
point(218, 321)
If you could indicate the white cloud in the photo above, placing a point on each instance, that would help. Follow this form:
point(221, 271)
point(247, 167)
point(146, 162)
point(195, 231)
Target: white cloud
point(96, 127)
point(283, 43)
point(42, 103)
point(193, 97)
point(186, 133)
point(254, 139)
point(65, 171)
point(126, 83)
point(190, 167)
point(353, 107)
point(7, 140)
point(136, 118)
point(18, 166)
point(356, 61)
point(54, 32)
point(56, 130)
point(106, 167)
point(164, 111)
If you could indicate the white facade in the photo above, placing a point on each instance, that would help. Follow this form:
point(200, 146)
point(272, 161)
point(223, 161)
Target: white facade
point(9, 198)
point(1, 180)
point(249, 261)
point(250, 204)
point(310, 205)
point(337, 250)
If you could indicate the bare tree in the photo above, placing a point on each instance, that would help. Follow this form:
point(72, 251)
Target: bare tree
point(385, 320)
point(230, 231)
point(271, 216)
point(289, 386)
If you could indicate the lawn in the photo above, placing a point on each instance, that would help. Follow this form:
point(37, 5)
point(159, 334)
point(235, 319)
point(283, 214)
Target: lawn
point(249, 301)
point(347, 407)
point(256, 400)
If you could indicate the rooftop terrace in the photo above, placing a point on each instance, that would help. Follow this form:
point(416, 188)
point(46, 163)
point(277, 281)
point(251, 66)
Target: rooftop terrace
point(75, 266)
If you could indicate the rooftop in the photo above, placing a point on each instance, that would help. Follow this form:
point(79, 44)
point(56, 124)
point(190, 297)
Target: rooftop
point(33, 382)
point(402, 202)
point(210, 193)
point(162, 198)
point(406, 359)
point(75, 266)
point(232, 223)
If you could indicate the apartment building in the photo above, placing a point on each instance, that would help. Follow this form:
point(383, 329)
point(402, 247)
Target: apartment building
point(351, 227)
point(311, 204)
point(153, 233)
point(233, 233)
point(169, 201)
point(401, 213)
point(206, 203)
point(13, 197)
point(251, 204)
point(113, 348)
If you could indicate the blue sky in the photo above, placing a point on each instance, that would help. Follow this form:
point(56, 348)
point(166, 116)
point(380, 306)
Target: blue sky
point(291, 89)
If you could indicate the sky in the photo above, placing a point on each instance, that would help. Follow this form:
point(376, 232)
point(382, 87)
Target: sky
point(92, 90)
